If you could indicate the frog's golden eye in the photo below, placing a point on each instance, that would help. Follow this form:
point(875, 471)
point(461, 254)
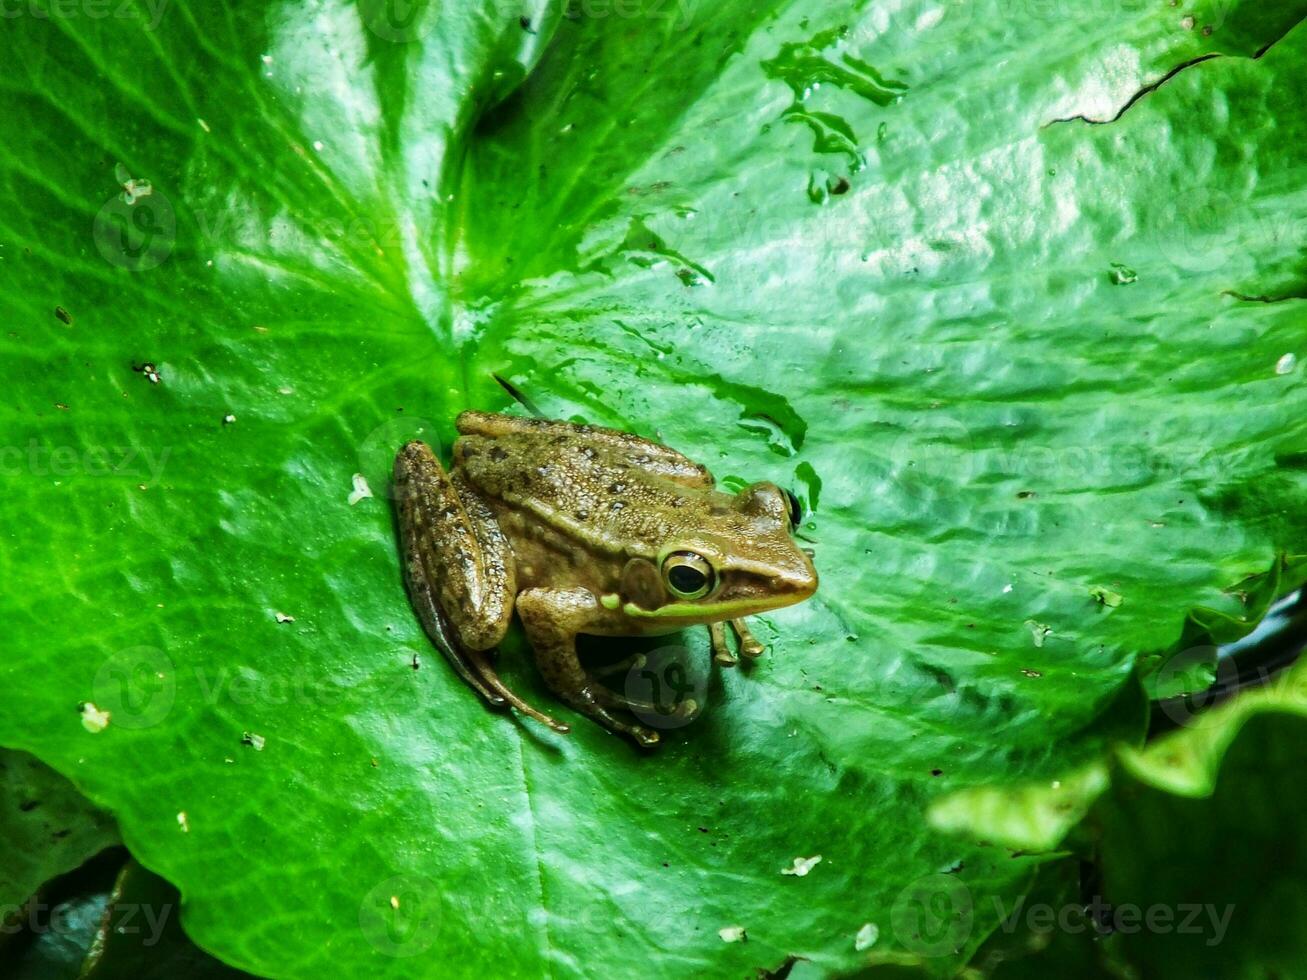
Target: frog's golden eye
point(688, 576)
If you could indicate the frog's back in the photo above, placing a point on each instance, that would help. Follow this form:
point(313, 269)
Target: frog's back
point(612, 494)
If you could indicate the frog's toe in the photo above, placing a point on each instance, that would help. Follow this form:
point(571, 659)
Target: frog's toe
point(591, 701)
point(721, 653)
point(481, 661)
point(749, 645)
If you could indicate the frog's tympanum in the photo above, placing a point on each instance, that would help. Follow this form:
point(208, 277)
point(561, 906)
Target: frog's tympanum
point(584, 530)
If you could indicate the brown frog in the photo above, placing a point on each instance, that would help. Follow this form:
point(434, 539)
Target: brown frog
point(582, 529)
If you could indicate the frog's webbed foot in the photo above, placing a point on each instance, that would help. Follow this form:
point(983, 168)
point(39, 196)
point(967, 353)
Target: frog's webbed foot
point(749, 645)
point(594, 701)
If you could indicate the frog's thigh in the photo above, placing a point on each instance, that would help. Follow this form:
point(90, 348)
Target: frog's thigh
point(654, 457)
point(454, 548)
point(552, 618)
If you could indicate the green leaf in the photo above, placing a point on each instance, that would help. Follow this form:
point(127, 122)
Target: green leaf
point(48, 829)
point(250, 250)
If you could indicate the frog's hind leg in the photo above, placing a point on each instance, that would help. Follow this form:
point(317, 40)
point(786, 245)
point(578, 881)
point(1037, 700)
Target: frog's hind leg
point(459, 572)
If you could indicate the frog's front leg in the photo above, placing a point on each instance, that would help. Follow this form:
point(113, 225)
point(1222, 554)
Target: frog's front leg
point(552, 618)
point(749, 645)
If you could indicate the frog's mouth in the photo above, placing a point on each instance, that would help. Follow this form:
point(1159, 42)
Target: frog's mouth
point(702, 612)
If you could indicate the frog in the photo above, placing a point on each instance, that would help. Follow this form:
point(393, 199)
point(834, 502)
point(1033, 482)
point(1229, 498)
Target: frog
point(580, 529)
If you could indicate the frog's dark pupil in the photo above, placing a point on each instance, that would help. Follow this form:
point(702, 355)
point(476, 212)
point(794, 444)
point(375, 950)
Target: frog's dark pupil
point(685, 578)
point(796, 509)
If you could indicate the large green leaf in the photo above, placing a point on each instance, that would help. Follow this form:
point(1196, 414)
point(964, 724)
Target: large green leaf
point(1017, 365)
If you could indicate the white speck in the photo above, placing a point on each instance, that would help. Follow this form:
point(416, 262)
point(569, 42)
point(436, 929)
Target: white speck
point(183, 823)
point(281, 617)
point(733, 934)
point(929, 19)
point(204, 126)
point(802, 866)
point(256, 742)
point(285, 390)
point(228, 419)
point(361, 489)
point(866, 937)
point(1057, 784)
point(267, 59)
point(93, 719)
point(317, 145)
point(1286, 364)
point(1007, 588)
point(1188, 22)
point(394, 902)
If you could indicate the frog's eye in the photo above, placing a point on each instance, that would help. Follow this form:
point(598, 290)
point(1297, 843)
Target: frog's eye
point(796, 509)
point(688, 576)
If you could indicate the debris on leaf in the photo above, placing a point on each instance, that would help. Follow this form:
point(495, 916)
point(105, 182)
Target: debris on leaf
point(1038, 631)
point(93, 719)
point(183, 823)
point(228, 419)
point(1106, 597)
point(63, 316)
point(1286, 364)
point(802, 866)
point(361, 489)
point(149, 370)
point(281, 617)
point(1031, 673)
point(866, 937)
point(1120, 275)
point(733, 934)
point(256, 742)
